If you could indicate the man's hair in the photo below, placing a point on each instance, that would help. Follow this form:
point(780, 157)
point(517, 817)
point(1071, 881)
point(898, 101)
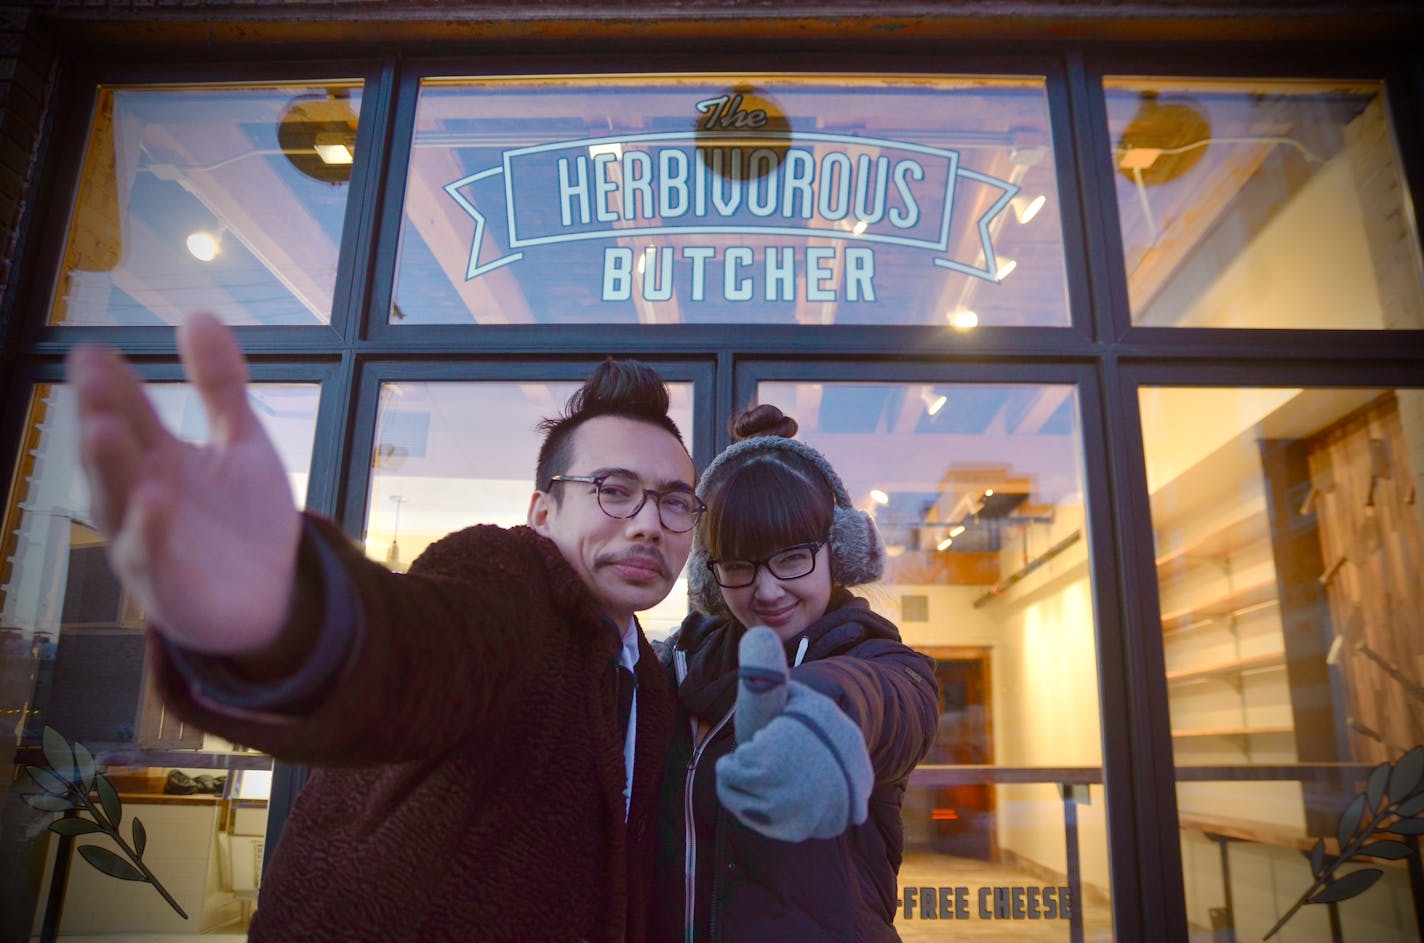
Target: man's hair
point(625, 388)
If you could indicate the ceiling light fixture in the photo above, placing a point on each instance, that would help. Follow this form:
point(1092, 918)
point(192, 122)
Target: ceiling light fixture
point(1006, 267)
point(203, 245)
point(1025, 210)
point(334, 149)
point(878, 496)
point(964, 320)
point(944, 544)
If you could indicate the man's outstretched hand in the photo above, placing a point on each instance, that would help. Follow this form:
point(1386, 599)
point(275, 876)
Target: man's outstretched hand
point(205, 537)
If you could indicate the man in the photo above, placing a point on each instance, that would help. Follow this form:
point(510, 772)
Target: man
point(473, 780)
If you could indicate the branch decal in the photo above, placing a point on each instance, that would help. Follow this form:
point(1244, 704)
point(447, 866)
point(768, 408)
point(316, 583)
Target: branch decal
point(67, 779)
point(1390, 805)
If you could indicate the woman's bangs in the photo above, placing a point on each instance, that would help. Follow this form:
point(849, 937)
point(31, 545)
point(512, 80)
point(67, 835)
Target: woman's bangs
point(762, 508)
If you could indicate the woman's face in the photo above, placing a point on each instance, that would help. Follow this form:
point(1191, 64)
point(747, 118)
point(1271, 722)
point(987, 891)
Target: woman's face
point(786, 607)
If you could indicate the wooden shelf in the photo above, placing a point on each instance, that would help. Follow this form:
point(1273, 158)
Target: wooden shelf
point(1250, 597)
point(1261, 730)
point(1226, 669)
point(1241, 530)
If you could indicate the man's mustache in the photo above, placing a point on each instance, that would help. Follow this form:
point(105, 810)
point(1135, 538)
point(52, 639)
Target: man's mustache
point(644, 556)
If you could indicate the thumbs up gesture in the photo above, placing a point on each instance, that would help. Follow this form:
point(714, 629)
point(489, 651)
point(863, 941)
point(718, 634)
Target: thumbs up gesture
point(801, 768)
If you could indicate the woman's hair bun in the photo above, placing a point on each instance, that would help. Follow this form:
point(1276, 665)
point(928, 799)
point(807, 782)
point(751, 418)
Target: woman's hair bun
point(765, 419)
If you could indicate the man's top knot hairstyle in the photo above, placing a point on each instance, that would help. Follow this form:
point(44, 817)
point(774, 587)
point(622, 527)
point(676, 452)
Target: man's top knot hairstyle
point(626, 388)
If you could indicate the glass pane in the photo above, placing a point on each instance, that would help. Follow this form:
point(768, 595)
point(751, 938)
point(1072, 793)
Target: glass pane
point(228, 199)
point(1262, 204)
point(73, 663)
point(770, 199)
point(1288, 547)
point(433, 471)
point(978, 492)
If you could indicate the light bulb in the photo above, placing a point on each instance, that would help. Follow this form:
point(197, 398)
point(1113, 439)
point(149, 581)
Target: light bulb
point(964, 320)
point(203, 246)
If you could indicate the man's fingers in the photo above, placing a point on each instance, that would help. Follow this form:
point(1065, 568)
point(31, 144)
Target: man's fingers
point(215, 365)
point(113, 464)
point(104, 383)
point(137, 552)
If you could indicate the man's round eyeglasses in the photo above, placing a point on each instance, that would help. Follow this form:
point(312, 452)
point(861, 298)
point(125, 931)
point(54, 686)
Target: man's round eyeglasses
point(790, 563)
point(623, 496)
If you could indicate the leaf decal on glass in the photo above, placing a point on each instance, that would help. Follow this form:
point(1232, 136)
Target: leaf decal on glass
point(1408, 773)
point(47, 803)
point(1379, 779)
point(1356, 882)
point(48, 781)
point(70, 777)
point(1350, 820)
point(1392, 803)
point(72, 827)
point(84, 763)
point(1390, 850)
point(113, 809)
point(140, 835)
point(110, 863)
point(1411, 807)
point(58, 753)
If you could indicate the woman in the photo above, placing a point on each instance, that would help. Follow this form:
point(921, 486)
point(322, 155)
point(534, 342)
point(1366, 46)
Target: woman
point(791, 832)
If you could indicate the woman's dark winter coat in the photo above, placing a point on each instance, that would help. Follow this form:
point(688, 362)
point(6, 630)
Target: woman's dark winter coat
point(745, 887)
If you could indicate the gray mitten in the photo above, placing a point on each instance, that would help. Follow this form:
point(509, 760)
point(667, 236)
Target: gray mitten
point(806, 773)
point(761, 694)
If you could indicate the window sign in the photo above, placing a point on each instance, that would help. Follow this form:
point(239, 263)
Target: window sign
point(705, 199)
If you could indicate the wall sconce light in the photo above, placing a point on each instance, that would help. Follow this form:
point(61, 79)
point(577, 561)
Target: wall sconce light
point(933, 403)
point(203, 245)
point(1025, 209)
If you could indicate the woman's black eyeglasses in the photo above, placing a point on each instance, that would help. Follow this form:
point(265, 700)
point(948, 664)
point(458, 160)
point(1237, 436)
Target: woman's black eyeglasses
point(790, 563)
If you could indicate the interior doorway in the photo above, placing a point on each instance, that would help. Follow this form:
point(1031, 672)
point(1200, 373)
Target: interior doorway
point(962, 817)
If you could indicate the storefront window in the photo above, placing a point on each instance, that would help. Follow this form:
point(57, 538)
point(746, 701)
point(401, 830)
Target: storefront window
point(978, 492)
point(224, 198)
point(1288, 542)
point(694, 199)
point(1262, 204)
point(76, 697)
point(452, 454)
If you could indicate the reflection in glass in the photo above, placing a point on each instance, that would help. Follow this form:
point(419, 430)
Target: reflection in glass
point(73, 661)
point(978, 492)
point(1262, 204)
point(1288, 542)
point(433, 470)
point(228, 199)
point(700, 199)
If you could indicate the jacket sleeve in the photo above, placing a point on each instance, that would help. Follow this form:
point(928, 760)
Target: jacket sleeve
point(890, 692)
point(399, 666)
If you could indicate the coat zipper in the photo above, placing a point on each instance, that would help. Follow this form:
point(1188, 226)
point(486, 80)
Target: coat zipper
point(689, 872)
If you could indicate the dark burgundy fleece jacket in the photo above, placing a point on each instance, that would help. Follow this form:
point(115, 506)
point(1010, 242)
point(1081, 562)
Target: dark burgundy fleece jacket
point(468, 768)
